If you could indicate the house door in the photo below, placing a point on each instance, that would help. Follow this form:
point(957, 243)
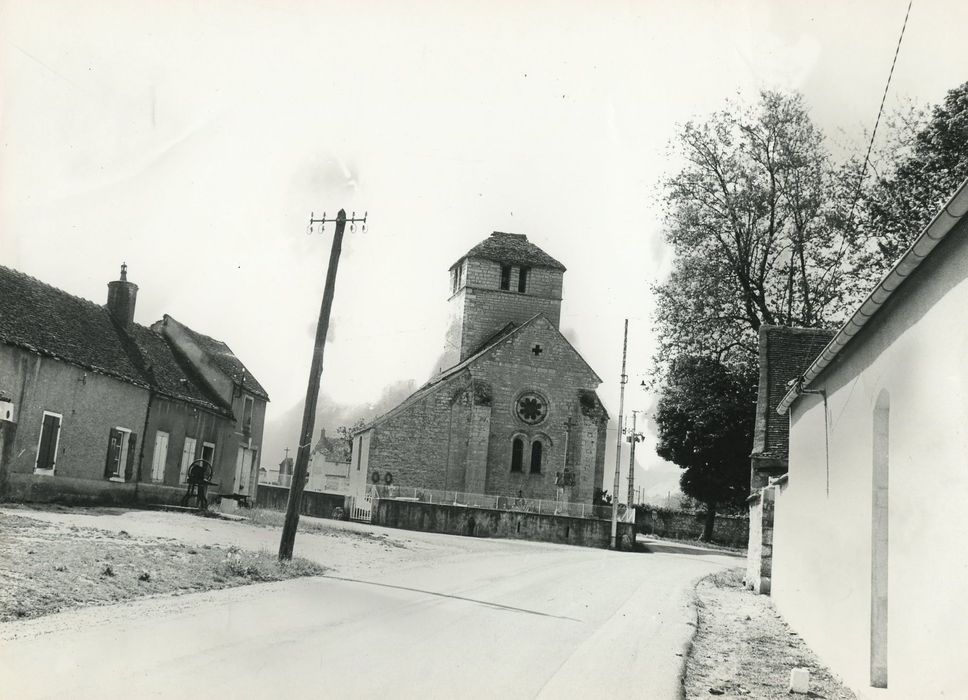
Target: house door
point(243, 469)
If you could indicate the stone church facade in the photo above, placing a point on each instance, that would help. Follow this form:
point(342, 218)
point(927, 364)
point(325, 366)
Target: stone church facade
point(514, 411)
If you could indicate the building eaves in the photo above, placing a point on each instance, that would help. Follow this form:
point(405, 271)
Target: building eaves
point(935, 232)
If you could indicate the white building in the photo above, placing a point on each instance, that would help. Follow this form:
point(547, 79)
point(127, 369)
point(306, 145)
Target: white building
point(870, 543)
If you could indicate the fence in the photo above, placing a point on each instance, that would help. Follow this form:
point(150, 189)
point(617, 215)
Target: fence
point(506, 503)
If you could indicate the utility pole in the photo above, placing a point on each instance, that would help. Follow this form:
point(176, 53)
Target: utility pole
point(298, 482)
point(633, 438)
point(618, 440)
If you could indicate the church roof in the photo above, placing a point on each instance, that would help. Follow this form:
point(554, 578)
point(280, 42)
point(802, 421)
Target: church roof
point(511, 248)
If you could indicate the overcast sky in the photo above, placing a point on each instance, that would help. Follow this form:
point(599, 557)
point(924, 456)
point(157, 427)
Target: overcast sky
point(192, 140)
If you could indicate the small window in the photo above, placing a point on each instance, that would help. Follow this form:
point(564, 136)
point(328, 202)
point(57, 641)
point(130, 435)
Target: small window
point(454, 280)
point(517, 454)
point(536, 448)
point(523, 279)
point(247, 405)
point(49, 439)
point(119, 465)
point(505, 277)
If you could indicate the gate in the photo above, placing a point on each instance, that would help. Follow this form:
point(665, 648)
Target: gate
point(362, 508)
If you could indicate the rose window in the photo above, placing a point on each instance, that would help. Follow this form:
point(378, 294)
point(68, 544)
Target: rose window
point(531, 408)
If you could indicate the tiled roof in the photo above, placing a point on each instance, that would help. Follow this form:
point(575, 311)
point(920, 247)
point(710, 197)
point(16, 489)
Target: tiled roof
point(784, 354)
point(223, 357)
point(514, 249)
point(168, 374)
point(48, 321)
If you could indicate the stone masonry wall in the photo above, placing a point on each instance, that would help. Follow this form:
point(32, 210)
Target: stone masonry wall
point(482, 522)
point(759, 553)
point(558, 374)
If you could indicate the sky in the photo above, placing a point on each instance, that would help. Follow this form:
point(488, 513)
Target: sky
point(192, 141)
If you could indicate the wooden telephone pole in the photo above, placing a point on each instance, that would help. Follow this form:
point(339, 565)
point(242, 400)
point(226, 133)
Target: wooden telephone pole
point(312, 390)
point(618, 440)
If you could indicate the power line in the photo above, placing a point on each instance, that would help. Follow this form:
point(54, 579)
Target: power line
point(880, 111)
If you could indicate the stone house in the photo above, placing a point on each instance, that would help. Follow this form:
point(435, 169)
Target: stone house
point(870, 561)
point(515, 409)
point(784, 353)
point(106, 409)
point(329, 466)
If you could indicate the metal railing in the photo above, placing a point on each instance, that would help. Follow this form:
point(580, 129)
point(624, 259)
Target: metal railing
point(541, 506)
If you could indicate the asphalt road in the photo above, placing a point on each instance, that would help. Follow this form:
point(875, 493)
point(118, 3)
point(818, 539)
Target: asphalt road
point(492, 619)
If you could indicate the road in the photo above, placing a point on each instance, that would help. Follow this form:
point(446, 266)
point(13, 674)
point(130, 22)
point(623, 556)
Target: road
point(441, 617)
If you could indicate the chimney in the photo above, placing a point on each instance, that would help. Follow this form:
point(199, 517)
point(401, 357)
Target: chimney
point(122, 296)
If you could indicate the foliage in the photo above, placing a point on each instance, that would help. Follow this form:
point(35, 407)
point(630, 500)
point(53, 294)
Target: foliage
point(346, 433)
point(601, 497)
point(705, 421)
point(924, 163)
point(752, 218)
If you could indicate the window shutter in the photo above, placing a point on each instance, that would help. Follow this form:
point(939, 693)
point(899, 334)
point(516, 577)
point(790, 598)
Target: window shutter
point(108, 461)
point(129, 467)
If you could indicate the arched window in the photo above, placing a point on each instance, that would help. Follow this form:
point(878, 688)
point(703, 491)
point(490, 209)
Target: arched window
point(536, 448)
point(517, 454)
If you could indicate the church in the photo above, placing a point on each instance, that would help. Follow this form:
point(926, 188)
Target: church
point(513, 410)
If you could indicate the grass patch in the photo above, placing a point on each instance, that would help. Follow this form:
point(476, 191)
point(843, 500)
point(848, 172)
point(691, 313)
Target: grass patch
point(275, 518)
point(48, 567)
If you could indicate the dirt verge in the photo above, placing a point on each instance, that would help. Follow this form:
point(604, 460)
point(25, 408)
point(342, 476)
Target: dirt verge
point(46, 567)
point(743, 649)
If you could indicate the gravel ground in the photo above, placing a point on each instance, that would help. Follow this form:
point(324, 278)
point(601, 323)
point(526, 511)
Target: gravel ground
point(46, 567)
point(743, 649)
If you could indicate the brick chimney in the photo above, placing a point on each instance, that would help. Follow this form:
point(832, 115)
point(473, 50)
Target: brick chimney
point(122, 296)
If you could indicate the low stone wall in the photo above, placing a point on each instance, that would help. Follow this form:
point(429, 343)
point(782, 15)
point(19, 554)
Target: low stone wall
point(315, 504)
point(759, 554)
point(485, 522)
point(729, 530)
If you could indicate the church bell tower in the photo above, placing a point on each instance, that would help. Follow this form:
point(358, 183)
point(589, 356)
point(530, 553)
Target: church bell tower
point(502, 280)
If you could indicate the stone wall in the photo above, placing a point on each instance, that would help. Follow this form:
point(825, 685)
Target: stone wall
point(729, 530)
point(481, 522)
point(759, 553)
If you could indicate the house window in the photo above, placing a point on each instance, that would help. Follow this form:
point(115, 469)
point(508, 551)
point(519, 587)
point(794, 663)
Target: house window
point(517, 454)
point(536, 448)
point(160, 456)
point(48, 443)
point(523, 279)
point(505, 277)
point(208, 452)
point(188, 456)
point(119, 464)
point(247, 405)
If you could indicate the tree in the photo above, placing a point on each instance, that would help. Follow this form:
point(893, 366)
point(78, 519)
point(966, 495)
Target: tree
point(752, 219)
point(705, 418)
point(912, 182)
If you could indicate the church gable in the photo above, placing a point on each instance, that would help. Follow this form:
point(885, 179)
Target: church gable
point(537, 347)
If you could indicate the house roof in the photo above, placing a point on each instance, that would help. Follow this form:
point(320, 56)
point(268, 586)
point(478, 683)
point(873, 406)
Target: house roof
point(502, 336)
point(332, 449)
point(511, 248)
point(784, 354)
point(48, 321)
point(941, 225)
point(222, 356)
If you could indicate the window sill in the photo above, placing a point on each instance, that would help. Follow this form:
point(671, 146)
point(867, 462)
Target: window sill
point(116, 479)
point(43, 472)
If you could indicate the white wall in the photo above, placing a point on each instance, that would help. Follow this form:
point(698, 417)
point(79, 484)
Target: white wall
point(918, 352)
